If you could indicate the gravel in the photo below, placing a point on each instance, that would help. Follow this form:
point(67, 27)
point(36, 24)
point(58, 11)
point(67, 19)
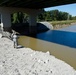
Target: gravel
point(25, 61)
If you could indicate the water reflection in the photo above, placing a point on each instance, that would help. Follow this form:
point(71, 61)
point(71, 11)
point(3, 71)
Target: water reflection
point(59, 37)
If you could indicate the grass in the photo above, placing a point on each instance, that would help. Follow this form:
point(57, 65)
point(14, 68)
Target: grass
point(66, 22)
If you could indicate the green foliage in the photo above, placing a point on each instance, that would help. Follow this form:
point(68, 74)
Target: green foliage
point(19, 17)
point(14, 18)
point(74, 17)
point(55, 15)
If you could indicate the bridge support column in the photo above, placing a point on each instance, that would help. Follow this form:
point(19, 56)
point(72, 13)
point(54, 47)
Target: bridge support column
point(5, 21)
point(32, 24)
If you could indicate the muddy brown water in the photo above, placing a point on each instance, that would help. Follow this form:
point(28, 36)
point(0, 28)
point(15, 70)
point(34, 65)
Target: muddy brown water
point(60, 43)
point(64, 53)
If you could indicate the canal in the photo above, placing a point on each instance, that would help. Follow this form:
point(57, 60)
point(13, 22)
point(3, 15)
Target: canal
point(60, 43)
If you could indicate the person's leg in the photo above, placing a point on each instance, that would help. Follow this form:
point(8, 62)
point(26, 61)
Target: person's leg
point(14, 44)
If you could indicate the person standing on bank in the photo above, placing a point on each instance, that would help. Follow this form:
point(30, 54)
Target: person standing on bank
point(15, 39)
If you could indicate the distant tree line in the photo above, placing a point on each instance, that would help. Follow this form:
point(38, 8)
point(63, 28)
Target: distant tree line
point(53, 15)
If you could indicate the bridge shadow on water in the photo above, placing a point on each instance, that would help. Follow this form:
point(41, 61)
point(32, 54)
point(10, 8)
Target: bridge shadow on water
point(59, 37)
point(23, 28)
point(56, 36)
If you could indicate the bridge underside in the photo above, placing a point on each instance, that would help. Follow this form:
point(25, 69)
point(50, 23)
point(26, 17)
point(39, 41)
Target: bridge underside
point(31, 7)
point(34, 4)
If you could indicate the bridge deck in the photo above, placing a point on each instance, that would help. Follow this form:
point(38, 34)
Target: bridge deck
point(34, 4)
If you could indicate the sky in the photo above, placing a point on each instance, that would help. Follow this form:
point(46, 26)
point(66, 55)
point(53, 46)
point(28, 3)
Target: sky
point(70, 8)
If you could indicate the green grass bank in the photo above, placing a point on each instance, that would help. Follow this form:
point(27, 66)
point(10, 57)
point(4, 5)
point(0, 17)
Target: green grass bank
point(62, 24)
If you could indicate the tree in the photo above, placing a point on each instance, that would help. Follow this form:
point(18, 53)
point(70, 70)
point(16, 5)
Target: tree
point(54, 15)
point(14, 18)
point(19, 17)
point(74, 17)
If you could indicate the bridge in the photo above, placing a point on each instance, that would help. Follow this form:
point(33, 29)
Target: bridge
point(34, 4)
point(31, 7)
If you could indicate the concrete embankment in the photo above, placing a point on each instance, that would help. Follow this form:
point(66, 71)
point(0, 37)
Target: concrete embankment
point(25, 61)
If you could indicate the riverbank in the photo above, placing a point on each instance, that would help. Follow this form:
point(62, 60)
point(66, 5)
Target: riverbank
point(62, 24)
point(25, 61)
